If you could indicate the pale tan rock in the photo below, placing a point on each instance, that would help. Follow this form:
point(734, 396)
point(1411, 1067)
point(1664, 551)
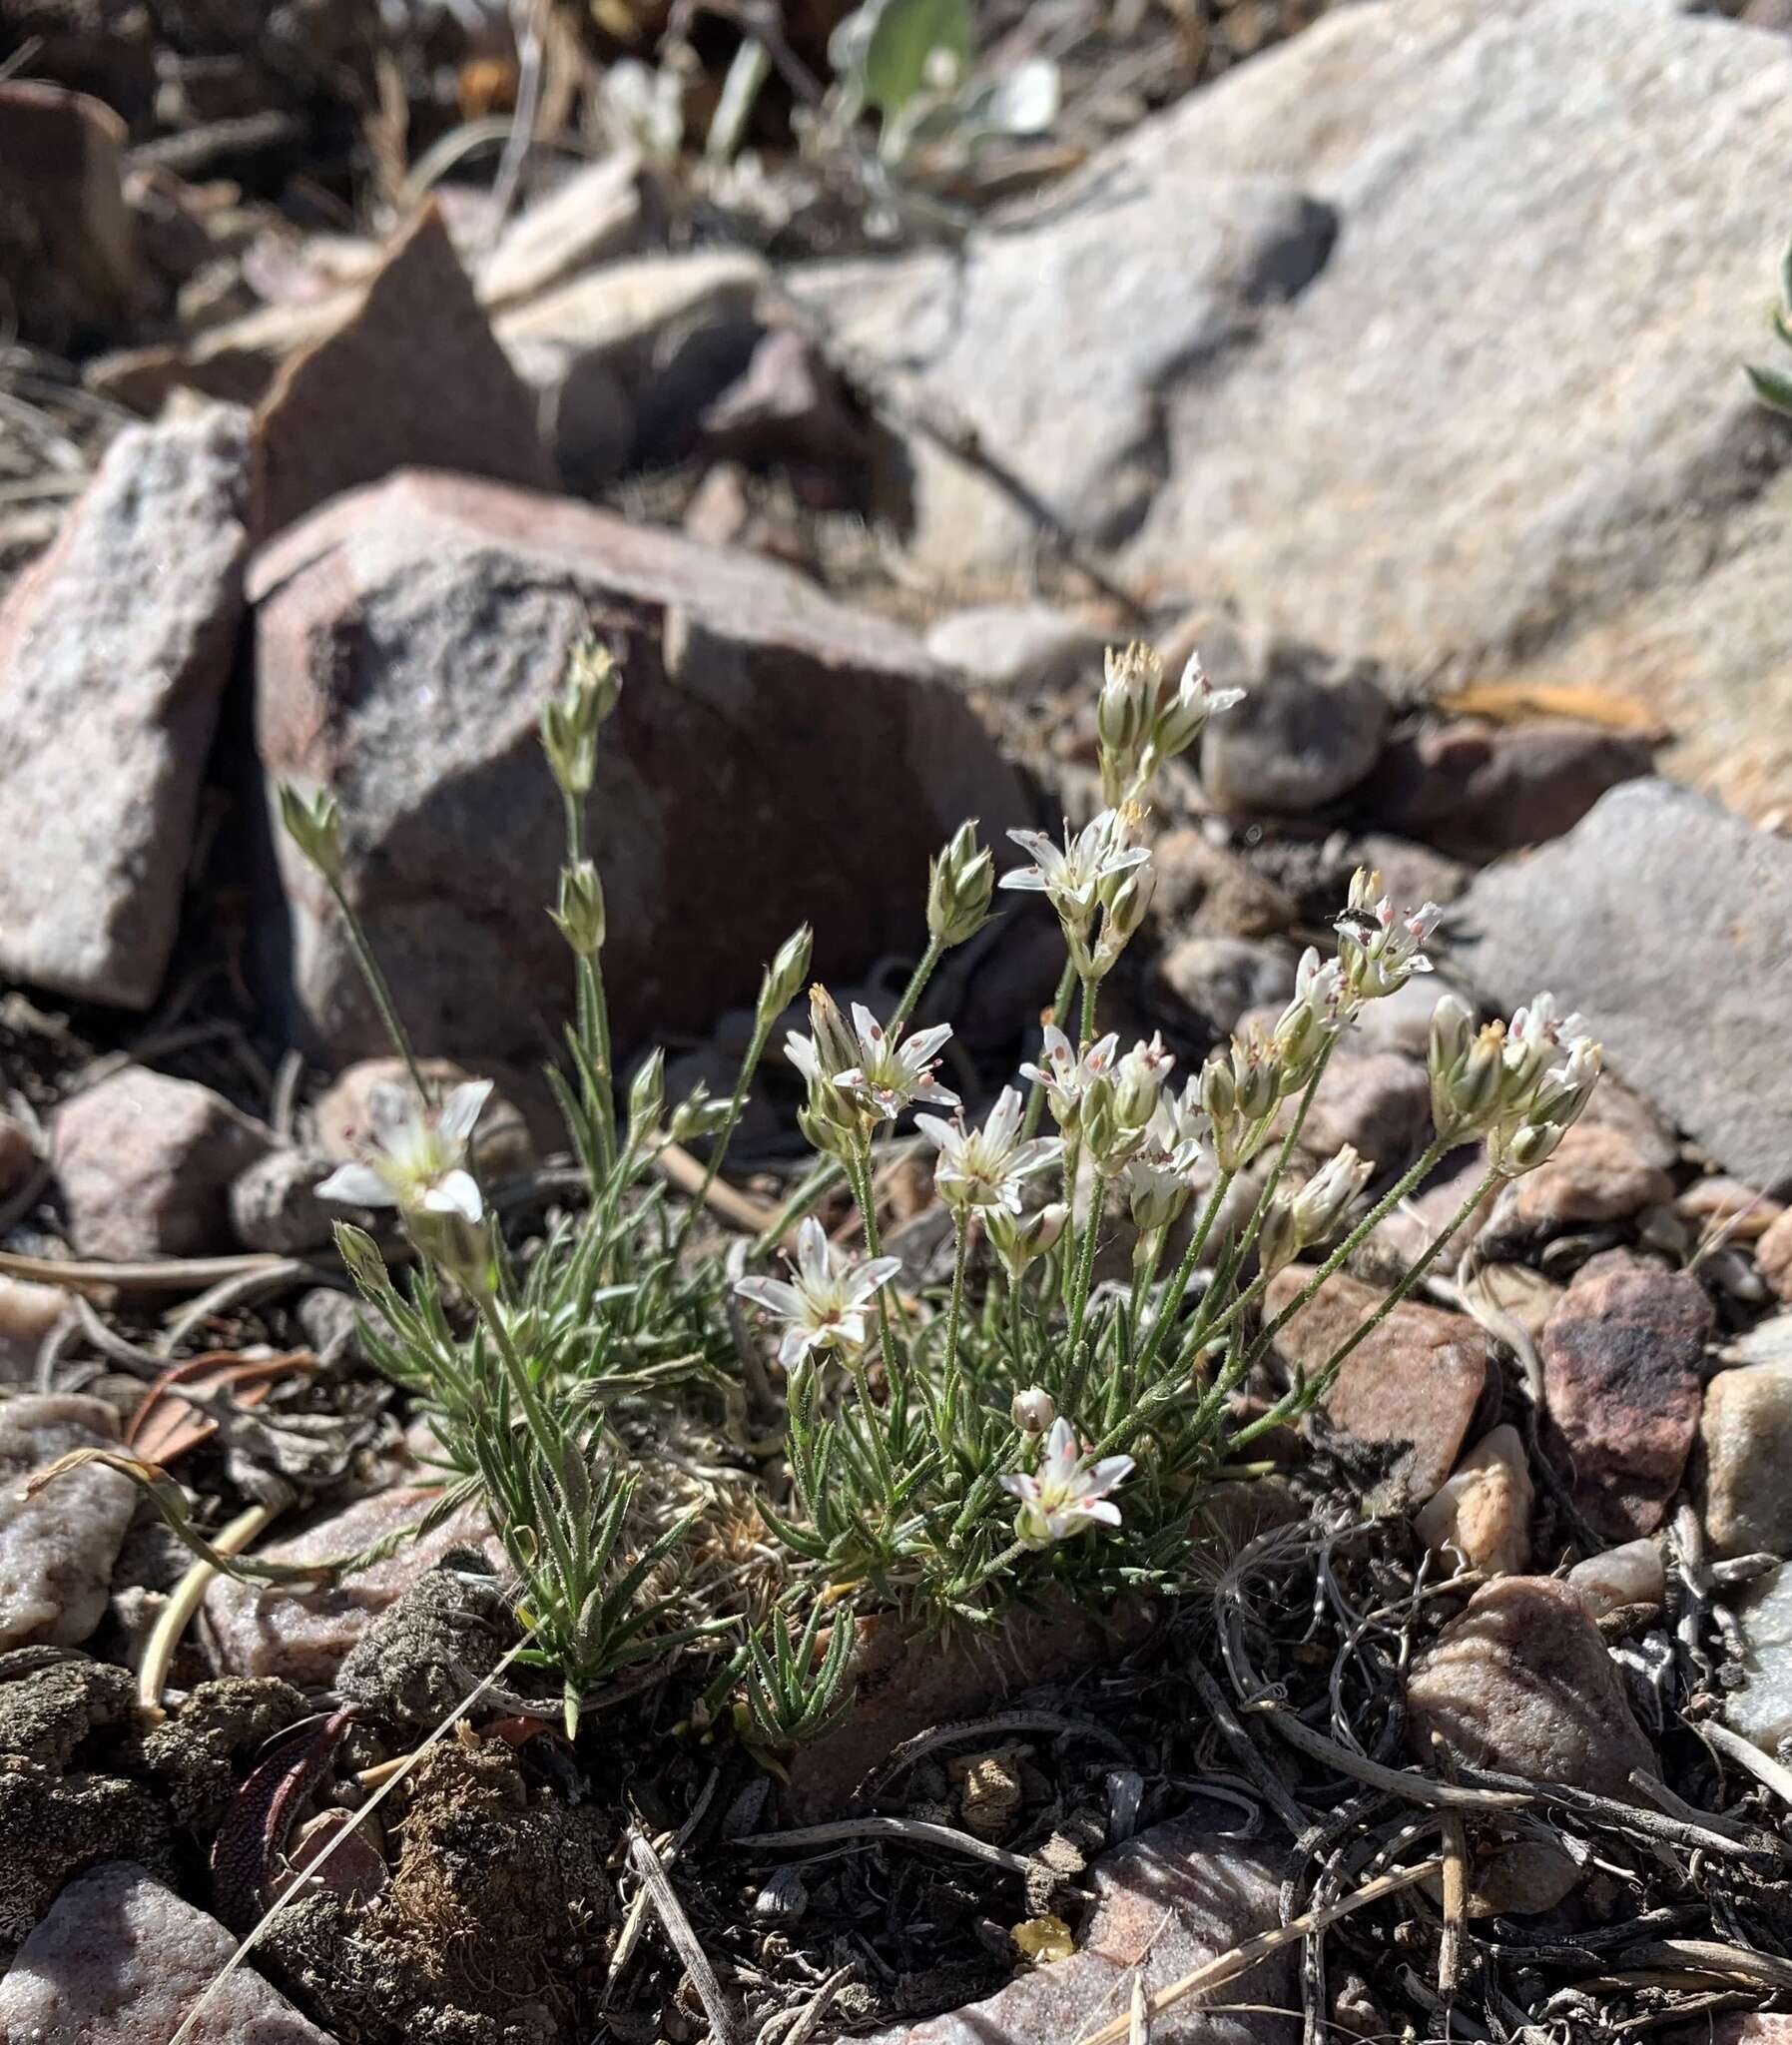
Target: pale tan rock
point(1481, 1518)
point(1521, 1683)
point(27, 1314)
point(590, 218)
point(1632, 1574)
point(58, 1548)
point(1746, 1433)
point(501, 1141)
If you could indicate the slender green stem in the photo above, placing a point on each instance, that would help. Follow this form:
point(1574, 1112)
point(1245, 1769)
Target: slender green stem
point(917, 982)
point(1091, 994)
point(1016, 1344)
point(1303, 1397)
point(719, 1144)
point(1171, 1304)
point(1060, 1007)
point(949, 1389)
point(867, 1208)
point(1086, 1269)
point(1249, 1239)
point(382, 992)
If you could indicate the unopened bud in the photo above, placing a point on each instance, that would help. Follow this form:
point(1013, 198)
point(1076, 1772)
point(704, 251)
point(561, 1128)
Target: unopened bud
point(1139, 1079)
point(314, 827)
point(1279, 1240)
point(447, 1238)
point(647, 1095)
point(697, 1115)
point(1469, 1071)
point(570, 720)
point(1034, 1410)
point(580, 915)
point(835, 1045)
point(360, 1253)
point(1126, 901)
point(1320, 1203)
point(961, 884)
point(785, 974)
point(1019, 1239)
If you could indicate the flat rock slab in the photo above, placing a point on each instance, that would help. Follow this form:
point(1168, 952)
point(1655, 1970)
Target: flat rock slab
point(113, 653)
point(1621, 1355)
point(121, 1960)
point(1540, 502)
point(411, 377)
point(1657, 912)
point(57, 1548)
point(1414, 1384)
point(304, 1636)
point(1166, 1903)
point(1056, 342)
point(775, 758)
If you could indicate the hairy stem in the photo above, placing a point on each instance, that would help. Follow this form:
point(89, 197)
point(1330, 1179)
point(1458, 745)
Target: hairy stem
point(1060, 1007)
point(382, 992)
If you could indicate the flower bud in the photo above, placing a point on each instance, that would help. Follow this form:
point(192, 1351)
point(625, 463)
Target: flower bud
point(830, 1123)
point(570, 720)
point(314, 827)
point(1126, 900)
point(647, 1095)
point(1020, 1239)
point(837, 1047)
point(581, 916)
point(1156, 1191)
point(1138, 1080)
point(1320, 1203)
point(697, 1115)
point(784, 975)
point(1468, 1069)
point(1279, 1239)
point(360, 1253)
point(1034, 1410)
point(961, 884)
point(1123, 717)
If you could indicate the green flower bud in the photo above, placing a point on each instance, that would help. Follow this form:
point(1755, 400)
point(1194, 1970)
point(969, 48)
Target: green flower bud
point(786, 974)
point(1019, 1239)
point(570, 720)
point(647, 1097)
point(961, 884)
point(360, 1253)
point(314, 827)
point(581, 911)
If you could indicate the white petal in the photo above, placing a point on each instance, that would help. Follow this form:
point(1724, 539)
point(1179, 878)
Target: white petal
point(813, 1259)
point(392, 1111)
point(1097, 1508)
point(771, 1292)
point(455, 1192)
point(357, 1185)
point(1060, 1444)
point(931, 1090)
point(802, 1053)
point(937, 1130)
point(1111, 1470)
point(925, 1042)
point(1035, 1156)
point(1022, 1487)
point(866, 1026)
point(460, 1110)
point(1027, 878)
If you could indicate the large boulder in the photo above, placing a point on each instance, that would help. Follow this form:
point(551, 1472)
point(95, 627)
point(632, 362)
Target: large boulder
point(1055, 342)
point(775, 758)
point(1506, 426)
point(1659, 911)
point(113, 653)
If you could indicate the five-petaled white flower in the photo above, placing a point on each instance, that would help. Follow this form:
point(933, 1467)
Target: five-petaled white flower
point(1377, 950)
point(1063, 1497)
point(890, 1071)
point(1068, 1079)
point(983, 1167)
point(1072, 876)
point(826, 1301)
point(414, 1158)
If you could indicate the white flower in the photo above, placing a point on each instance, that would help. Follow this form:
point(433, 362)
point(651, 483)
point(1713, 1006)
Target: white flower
point(1072, 878)
point(1142, 722)
point(827, 1300)
point(889, 1074)
point(984, 1168)
point(1062, 1497)
point(1377, 950)
point(1068, 1079)
point(414, 1154)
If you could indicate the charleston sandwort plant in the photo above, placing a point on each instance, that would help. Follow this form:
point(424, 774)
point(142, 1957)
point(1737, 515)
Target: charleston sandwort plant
point(1026, 1436)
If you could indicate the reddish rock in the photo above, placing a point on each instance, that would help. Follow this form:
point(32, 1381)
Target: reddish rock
point(1377, 1101)
point(303, 1635)
point(145, 1163)
point(1478, 790)
point(775, 758)
point(1620, 1376)
point(116, 647)
point(1165, 1904)
point(1418, 1380)
point(68, 245)
point(1596, 1174)
point(413, 377)
point(1521, 1683)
